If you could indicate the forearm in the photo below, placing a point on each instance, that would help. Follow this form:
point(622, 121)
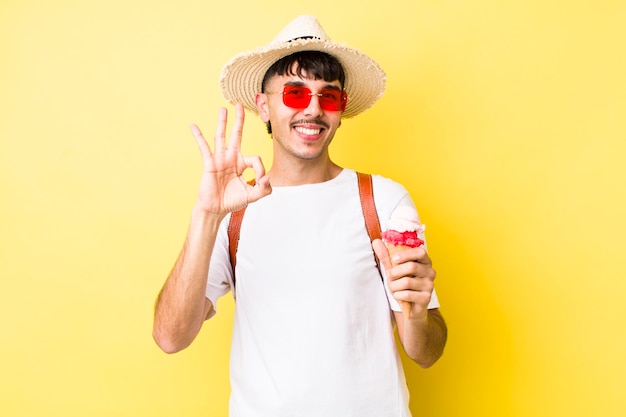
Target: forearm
point(180, 308)
point(423, 336)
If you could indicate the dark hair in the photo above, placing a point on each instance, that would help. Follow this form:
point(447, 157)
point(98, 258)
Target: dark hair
point(316, 64)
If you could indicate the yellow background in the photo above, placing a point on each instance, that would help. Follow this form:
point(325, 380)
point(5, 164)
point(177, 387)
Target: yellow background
point(504, 119)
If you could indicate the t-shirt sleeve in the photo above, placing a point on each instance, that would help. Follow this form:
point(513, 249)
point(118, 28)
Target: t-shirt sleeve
point(220, 276)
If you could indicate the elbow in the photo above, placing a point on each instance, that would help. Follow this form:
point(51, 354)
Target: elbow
point(174, 335)
point(432, 355)
point(168, 347)
point(168, 343)
point(425, 359)
point(426, 363)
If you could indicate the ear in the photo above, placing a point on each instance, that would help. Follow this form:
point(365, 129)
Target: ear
point(262, 106)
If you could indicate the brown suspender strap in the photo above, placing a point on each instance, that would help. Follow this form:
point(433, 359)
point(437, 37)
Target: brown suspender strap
point(234, 227)
point(372, 223)
point(366, 195)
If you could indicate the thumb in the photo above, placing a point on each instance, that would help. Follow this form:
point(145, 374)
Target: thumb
point(382, 253)
point(261, 189)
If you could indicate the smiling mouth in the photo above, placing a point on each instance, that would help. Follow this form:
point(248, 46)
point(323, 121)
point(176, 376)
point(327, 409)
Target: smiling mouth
point(308, 131)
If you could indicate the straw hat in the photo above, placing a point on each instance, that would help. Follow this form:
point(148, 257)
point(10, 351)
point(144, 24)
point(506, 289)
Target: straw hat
point(242, 76)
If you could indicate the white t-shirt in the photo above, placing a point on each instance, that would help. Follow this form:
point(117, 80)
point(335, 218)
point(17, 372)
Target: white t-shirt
point(313, 332)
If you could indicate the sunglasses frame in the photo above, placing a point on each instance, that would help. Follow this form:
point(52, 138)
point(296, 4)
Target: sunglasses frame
point(290, 100)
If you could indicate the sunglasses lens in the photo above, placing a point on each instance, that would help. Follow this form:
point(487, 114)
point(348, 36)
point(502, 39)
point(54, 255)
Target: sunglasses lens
point(299, 97)
point(330, 99)
point(296, 97)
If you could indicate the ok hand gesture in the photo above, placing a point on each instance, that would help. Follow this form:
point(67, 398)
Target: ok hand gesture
point(222, 187)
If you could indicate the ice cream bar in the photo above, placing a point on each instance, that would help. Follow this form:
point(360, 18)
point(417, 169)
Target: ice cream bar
point(402, 233)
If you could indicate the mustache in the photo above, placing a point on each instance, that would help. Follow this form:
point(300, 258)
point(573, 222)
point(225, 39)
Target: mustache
point(310, 121)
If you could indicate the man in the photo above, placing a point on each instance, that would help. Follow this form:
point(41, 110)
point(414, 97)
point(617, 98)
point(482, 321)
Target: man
point(314, 324)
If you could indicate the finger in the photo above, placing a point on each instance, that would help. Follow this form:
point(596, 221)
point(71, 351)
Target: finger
point(220, 132)
point(382, 253)
point(234, 142)
point(202, 144)
point(420, 297)
point(422, 256)
point(413, 269)
point(262, 186)
point(259, 190)
point(418, 254)
point(256, 164)
point(411, 284)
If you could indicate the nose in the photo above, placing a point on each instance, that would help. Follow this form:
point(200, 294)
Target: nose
point(313, 109)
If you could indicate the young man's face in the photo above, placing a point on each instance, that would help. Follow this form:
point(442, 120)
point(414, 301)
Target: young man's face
point(304, 133)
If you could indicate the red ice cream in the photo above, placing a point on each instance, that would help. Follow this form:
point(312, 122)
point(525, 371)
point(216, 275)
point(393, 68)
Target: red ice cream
point(408, 238)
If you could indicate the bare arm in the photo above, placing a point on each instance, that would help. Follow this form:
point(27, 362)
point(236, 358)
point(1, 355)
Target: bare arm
point(423, 338)
point(181, 306)
point(423, 335)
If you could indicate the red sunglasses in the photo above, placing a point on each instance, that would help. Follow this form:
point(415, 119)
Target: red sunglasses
point(299, 97)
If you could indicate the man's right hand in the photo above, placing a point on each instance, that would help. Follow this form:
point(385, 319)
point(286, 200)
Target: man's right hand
point(222, 187)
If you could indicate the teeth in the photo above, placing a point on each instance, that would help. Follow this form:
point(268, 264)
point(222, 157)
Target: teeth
point(306, 131)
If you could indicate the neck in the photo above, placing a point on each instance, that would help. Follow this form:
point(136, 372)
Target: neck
point(302, 172)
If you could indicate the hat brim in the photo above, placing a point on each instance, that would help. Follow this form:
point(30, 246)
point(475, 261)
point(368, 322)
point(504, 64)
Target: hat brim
point(242, 76)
